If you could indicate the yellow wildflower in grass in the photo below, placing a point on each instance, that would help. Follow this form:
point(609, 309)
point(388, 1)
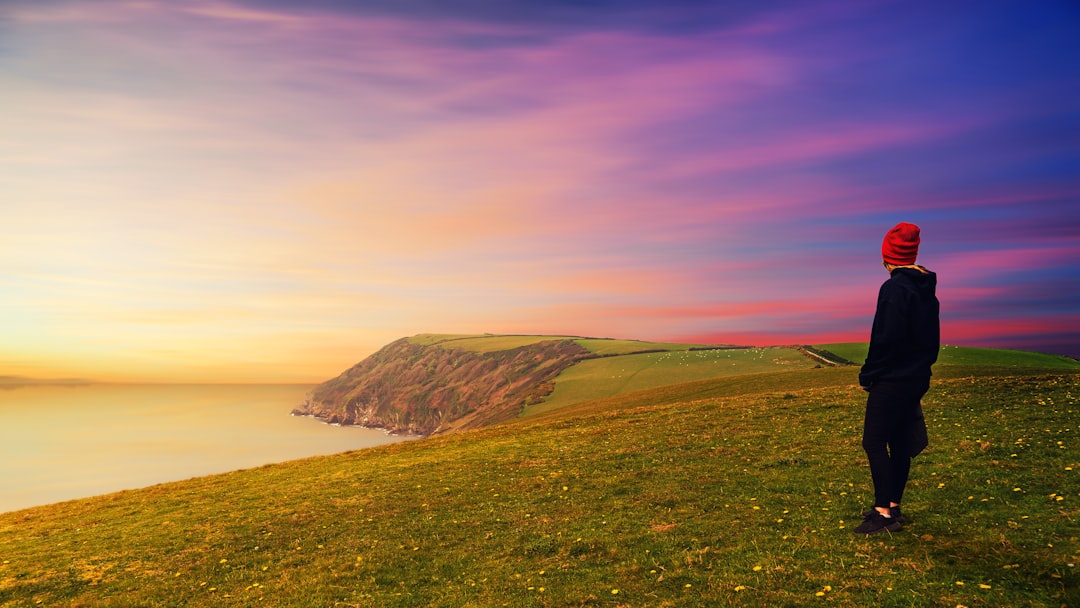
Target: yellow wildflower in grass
point(984, 586)
point(614, 592)
point(757, 568)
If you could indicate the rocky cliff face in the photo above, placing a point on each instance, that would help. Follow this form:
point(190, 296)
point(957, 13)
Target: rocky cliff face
point(423, 390)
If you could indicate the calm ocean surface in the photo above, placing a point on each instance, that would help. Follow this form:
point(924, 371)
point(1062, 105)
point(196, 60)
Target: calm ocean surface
point(59, 443)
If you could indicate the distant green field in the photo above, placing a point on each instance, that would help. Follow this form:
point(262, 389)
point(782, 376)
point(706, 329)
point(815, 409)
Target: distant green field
point(852, 351)
point(626, 366)
point(617, 375)
point(962, 355)
point(605, 347)
point(607, 376)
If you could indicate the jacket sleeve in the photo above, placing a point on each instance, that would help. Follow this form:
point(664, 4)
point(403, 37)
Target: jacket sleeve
point(887, 334)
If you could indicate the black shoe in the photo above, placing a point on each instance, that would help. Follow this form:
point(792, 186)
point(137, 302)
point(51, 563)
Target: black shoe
point(896, 513)
point(874, 522)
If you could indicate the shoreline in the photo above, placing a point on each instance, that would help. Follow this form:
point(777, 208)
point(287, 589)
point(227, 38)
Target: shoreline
point(384, 430)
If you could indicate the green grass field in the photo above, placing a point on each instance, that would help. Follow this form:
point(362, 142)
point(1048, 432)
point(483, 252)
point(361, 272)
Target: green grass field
point(730, 491)
point(962, 355)
point(626, 366)
point(608, 376)
point(605, 347)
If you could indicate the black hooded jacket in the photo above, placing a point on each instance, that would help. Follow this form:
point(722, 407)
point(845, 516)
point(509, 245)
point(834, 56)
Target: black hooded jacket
point(906, 335)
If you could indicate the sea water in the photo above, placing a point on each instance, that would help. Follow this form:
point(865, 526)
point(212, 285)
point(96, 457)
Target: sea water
point(64, 442)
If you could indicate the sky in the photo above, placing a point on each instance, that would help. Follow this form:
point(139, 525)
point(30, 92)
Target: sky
point(269, 191)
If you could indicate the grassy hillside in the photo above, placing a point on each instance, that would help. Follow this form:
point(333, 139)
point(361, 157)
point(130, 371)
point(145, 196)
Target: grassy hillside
point(765, 367)
point(441, 383)
point(711, 493)
point(962, 355)
point(488, 343)
point(623, 366)
point(627, 366)
point(608, 376)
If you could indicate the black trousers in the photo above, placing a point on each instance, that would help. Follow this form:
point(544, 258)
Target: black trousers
point(890, 412)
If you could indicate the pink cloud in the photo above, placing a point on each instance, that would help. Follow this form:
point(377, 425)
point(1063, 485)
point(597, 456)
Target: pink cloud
point(232, 12)
point(972, 280)
point(827, 141)
point(988, 332)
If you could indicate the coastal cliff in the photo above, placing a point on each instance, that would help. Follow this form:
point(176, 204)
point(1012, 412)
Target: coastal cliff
point(424, 389)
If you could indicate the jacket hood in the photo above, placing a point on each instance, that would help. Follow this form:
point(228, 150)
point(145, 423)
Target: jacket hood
point(925, 282)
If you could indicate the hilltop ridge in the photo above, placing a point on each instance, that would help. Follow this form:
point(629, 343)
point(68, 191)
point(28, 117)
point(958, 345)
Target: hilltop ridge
point(438, 383)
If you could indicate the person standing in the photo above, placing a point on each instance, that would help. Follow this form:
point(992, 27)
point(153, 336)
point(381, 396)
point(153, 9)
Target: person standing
point(904, 343)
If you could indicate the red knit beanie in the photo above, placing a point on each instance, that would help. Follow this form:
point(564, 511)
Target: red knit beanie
point(901, 244)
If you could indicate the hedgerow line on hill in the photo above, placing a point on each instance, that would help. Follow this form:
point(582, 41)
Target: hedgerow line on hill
point(824, 356)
